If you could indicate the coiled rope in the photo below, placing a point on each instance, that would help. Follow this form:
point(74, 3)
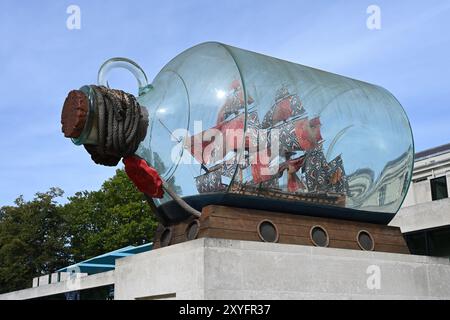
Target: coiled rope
point(122, 125)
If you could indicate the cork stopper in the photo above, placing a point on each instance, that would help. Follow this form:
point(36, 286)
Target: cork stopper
point(74, 114)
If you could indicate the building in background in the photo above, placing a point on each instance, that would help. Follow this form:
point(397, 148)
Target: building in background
point(425, 214)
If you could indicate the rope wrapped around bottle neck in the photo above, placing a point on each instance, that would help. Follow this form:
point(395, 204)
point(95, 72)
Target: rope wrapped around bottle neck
point(121, 123)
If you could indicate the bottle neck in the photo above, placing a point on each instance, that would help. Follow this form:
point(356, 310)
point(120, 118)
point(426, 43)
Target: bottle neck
point(89, 133)
point(109, 123)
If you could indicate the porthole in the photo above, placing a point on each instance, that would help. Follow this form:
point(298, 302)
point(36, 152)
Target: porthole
point(166, 237)
point(365, 241)
point(319, 236)
point(192, 230)
point(267, 231)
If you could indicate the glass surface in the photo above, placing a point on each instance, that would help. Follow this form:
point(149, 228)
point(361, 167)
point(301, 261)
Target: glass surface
point(439, 188)
point(439, 242)
point(435, 242)
point(268, 231)
point(192, 230)
point(226, 120)
point(319, 237)
point(417, 243)
point(365, 241)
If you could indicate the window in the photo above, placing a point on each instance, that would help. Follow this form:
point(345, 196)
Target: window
point(365, 240)
point(433, 242)
point(319, 236)
point(192, 230)
point(439, 188)
point(405, 184)
point(267, 231)
point(417, 243)
point(439, 242)
point(382, 195)
point(166, 237)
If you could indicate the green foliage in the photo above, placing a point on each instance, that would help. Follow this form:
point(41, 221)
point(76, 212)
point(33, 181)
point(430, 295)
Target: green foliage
point(33, 240)
point(115, 216)
point(40, 236)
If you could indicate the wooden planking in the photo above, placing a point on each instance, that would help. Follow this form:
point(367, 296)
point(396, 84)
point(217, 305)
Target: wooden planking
point(335, 232)
point(232, 234)
point(241, 224)
point(300, 225)
point(305, 241)
point(251, 214)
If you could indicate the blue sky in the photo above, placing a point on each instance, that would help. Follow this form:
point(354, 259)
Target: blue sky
point(41, 60)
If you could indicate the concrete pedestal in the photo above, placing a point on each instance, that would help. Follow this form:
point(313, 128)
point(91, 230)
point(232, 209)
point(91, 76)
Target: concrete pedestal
point(229, 269)
point(210, 268)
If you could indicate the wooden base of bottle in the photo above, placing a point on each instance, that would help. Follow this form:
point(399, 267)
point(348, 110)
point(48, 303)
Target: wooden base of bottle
point(256, 225)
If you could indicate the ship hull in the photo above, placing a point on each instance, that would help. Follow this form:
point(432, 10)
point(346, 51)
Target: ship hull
point(234, 223)
point(171, 213)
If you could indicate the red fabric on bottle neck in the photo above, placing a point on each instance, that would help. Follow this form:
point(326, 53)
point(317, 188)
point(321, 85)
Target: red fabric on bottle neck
point(144, 177)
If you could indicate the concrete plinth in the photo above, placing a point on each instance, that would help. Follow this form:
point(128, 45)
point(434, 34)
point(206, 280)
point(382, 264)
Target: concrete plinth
point(35, 282)
point(83, 283)
point(54, 278)
point(229, 269)
point(44, 280)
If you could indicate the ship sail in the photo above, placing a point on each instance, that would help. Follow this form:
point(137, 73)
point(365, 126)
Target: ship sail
point(230, 122)
point(293, 166)
point(296, 132)
point(234, 103)
point(300, 149)
point(286, 106)
point(337, 179)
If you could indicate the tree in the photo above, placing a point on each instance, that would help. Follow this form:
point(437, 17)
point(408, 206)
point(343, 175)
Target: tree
point(33, 240)
point(113, 217)
point(40, 236)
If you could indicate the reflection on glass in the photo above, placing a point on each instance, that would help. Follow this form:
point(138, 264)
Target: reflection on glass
point(286, 131)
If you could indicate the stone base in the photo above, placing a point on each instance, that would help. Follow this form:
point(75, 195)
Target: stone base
point(231, 269)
